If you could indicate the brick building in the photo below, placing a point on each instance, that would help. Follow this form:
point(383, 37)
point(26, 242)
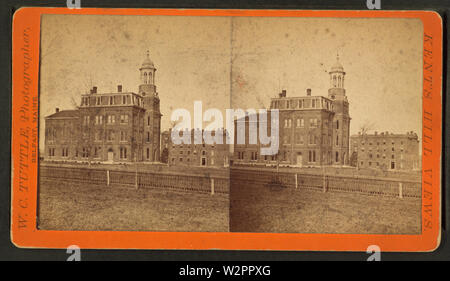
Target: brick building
point(386, 151)
point(165, 142)
point(114, 127)
point(313, 130)
point(62, 130)
point(202, 154)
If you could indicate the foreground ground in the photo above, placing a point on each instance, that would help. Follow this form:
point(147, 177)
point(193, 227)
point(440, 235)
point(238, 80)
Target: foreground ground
point(70, 206)
point(254, 208)
point(258, 208)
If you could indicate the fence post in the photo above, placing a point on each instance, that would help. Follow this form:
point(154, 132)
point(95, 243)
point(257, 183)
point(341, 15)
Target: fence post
point(400, 190)
point(296, 181)
point(136, 180)
point(212, 186)
point(107, 177)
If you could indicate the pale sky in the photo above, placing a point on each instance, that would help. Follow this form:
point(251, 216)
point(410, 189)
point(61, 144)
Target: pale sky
point(382, 59)
point(194, 57)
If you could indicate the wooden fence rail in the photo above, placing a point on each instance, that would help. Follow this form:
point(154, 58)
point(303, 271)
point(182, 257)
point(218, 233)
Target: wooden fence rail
point(239, 179)
point(367, 185)
point(193, 183)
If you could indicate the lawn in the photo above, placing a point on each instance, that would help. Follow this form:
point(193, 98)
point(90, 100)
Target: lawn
point(71, 206)
point(259, 208)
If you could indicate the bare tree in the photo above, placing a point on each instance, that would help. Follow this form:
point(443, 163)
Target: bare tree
point(88, 81)
point(366, 126)
point(174, 123)
point(73, 102)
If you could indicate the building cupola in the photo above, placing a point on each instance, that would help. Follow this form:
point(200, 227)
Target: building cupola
point(337, 76)
point(147, 77)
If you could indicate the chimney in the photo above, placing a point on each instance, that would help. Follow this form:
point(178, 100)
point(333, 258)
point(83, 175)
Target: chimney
point(94, 89)
point(57, 110)
point(308, 92)
point(119, 88)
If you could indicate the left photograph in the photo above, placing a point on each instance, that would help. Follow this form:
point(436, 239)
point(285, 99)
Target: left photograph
point(109, 87)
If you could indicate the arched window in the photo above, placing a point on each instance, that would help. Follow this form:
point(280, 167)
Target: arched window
point(337, 156)
point(334, 81)
point(145, 77)
point(150, 78)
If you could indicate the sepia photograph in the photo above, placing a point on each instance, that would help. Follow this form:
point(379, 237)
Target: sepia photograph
point(230, 124)
point(108, 86)
point(349, 96)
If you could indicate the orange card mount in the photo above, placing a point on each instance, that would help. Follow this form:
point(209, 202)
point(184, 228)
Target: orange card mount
point(25, 150)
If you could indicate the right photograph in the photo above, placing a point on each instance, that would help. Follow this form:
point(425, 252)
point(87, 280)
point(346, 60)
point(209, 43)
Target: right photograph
point(339, 150)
